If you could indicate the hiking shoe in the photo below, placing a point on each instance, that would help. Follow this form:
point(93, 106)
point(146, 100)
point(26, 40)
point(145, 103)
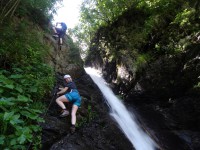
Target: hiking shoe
point(64, 113)
point(55, 35)
point(72, 128)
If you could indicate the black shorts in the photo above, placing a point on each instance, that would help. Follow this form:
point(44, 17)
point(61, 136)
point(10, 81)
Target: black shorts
point(60, 32)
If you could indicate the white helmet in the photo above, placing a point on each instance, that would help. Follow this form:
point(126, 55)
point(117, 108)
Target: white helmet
point(67, 76)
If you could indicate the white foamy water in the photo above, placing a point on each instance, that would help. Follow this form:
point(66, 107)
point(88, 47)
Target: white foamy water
point(125, 119)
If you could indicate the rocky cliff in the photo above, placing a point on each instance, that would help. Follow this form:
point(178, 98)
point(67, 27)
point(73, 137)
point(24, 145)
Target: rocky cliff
point(65, 59)
point(150, 75)
point(95, 128)
point(162, 90)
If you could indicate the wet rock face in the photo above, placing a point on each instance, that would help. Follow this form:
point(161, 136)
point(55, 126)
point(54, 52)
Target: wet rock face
point(95, 127)
point(52, 130)
point(65, 59)
point(169, 77)
point(94, 136)
point(186, 112)
point(172, 77)
point(169, 88)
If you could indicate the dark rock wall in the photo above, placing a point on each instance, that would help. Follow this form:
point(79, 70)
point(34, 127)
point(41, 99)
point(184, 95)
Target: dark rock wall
point(167, 84)
point(172, 76)
point(165, 88)
point(64, 60)
point(95, 127)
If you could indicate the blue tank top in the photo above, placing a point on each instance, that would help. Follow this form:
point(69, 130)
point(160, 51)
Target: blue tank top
point(70, 85)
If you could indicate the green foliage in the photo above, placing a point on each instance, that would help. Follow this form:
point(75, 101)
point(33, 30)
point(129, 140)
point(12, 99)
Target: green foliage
point(183, 18)
point(37, 10)
point(8, 8)
point(74, 51)
point(141, 61)
point(91, 114)
point(102, 12)
point(96, 14)
point(24, 80)
point(157, 27)
point(18, 118)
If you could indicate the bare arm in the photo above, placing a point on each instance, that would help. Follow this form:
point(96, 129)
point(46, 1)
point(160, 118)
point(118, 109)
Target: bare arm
point(62, 90)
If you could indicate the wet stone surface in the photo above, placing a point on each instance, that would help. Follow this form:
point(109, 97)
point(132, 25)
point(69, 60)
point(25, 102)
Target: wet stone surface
point(164, 128)
point(96, 130)
point(160, 120)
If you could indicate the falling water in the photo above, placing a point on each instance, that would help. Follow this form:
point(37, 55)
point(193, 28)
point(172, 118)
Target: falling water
point(126, 120)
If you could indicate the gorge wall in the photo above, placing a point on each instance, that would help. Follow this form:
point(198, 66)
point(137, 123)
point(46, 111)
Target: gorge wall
point(95, 127)
point(151, 60)
point(66, 60)
point(148, 72)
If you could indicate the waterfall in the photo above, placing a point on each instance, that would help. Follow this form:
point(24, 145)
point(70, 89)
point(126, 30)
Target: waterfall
point(125, 119)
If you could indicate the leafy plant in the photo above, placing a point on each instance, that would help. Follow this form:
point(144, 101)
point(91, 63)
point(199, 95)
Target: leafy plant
point(18, 116)
point(141, 61)
point(37, 10)
point(25, 79)
point(91, 114)
point(74, 51)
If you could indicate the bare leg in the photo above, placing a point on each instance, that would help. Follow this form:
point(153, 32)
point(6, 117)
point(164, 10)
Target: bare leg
point(60, 40)
point(73, 114)
point(54, 29)
point(60, 101)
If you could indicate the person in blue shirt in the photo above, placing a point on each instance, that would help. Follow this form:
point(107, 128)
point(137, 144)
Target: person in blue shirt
point(72, 95)
point(60, 30)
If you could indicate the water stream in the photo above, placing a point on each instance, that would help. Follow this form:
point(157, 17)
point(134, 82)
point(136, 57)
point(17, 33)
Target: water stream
point(125, 119)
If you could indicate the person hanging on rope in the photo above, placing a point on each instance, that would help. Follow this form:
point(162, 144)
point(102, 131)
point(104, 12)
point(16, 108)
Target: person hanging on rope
point(72, 96)
point(60, 30)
